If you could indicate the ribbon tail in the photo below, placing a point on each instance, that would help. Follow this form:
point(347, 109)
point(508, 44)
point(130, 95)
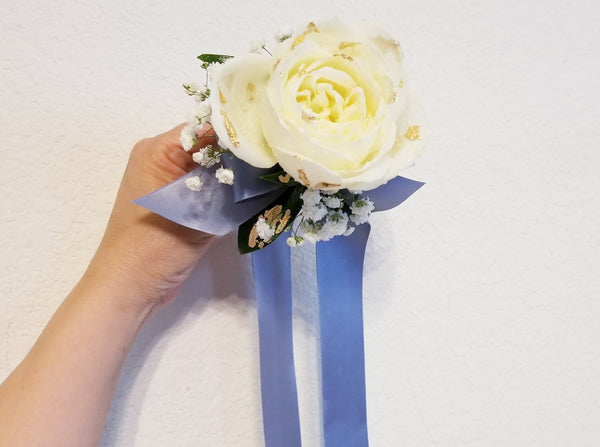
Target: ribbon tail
point(393, 193)
point(272, 274)
point(339, 279)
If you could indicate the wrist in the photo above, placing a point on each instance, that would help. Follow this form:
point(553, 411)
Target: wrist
point(114, 279)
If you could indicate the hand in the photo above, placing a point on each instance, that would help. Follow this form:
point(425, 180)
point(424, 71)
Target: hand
point(142, 251)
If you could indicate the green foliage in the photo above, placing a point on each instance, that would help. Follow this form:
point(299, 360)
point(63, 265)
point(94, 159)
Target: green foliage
point(209, 59)
point(279, 214)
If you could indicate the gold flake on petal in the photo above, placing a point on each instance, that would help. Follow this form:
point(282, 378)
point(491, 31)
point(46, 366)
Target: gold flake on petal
point(343, 45)
point(253, 237)
point(324, 185)
point(222, 97)
point(310, 28)
point(231, 133)
point(390, 96)
point(401, 83)
point(303, 178)
point(389, 45)
point(271, 215)
point(283, 221)
point(345, 56)
point(284, 178)
point(413, 133)
point(250, 91)
point(298, 40)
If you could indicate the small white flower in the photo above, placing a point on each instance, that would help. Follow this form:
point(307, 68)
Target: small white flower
point(200, 114)
point(189, 136)
point(257, 45)
point(207, 156)
point(264, 229)
point(311, 236)
point(202, 109)
point(336, 224)
point(187, 141)
point(333, 201)
point(224, 176)
point(191, 88)
point(359, 219)
point(198, 92)
point(362, 206)
point(284, 33)
point(198, 157)
point(295, 241)
point(194, 183)
point(349, 231)
point(309, 230)
point(312, 207)
point(315, 212)
point(361, 210)
point(311, 197)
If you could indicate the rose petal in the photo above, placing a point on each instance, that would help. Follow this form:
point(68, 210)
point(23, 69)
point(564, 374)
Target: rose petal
point(237, 96)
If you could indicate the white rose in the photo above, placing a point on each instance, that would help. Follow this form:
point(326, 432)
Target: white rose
point(332, 106)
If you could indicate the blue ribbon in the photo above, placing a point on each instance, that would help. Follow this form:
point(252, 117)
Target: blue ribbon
point(273, 282)
point(248, 183)
point(219, 209)
point(339, 281)
point(215, 209)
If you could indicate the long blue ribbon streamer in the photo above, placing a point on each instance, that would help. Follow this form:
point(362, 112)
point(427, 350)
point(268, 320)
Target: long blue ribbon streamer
point(273, 282)
point(339, 280)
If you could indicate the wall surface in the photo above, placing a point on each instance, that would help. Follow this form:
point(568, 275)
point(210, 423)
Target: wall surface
point(482, 309)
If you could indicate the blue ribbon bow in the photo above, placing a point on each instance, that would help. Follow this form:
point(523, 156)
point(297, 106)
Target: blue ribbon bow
point(219, 209)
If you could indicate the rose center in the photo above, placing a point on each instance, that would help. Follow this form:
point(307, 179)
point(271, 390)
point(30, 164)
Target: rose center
point(327, 94)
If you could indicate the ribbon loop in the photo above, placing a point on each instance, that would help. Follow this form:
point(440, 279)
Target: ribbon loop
point(212, 210)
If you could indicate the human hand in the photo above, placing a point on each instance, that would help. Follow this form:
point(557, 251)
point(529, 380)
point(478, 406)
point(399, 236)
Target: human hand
point(142, 251)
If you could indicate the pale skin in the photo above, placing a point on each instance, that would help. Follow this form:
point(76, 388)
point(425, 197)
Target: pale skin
point(61, 392)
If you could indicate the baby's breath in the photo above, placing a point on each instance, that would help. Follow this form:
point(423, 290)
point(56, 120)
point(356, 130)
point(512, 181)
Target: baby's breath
point(194, 183)
point(327, 214)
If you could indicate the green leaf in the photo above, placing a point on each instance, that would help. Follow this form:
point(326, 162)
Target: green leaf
point(280, 177)
point(280, 214)
point(210, 59)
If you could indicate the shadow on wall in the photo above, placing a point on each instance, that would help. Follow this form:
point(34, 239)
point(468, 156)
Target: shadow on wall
point(222, 274)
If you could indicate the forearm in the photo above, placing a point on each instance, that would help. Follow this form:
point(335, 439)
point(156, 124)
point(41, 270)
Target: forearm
point(61, 392)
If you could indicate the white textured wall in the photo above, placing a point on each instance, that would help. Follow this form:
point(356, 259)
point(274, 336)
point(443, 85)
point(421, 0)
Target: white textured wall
point(482, 309)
